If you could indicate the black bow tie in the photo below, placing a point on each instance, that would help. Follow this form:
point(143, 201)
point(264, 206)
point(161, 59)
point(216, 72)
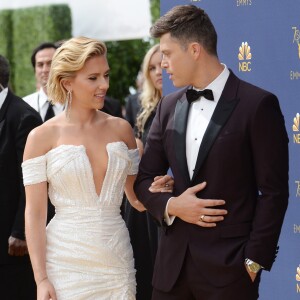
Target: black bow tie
point(192, 95)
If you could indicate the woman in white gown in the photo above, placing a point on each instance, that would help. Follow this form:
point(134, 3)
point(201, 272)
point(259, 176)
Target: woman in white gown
point(84, 158)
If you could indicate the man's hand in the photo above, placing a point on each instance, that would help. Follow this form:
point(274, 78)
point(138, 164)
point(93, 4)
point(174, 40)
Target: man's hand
point(194, 210)
point(17, 247)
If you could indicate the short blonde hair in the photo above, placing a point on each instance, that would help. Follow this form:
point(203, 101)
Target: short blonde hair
point(69, 58)
point(150, 95)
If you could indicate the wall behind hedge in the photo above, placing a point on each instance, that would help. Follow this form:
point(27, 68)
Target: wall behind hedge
point(22, 30)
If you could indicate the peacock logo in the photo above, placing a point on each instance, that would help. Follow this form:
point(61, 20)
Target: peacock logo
point(244, 52)
point(296, 124)
point(244, 57)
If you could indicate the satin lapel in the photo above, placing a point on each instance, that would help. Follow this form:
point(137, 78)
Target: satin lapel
point(3, 112)
point(224, 108)
point(1, 126)
point(180, 123)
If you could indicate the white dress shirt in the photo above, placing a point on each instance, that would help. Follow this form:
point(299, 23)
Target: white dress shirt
point(3, 95)
point(39, 101)
point(199, 117)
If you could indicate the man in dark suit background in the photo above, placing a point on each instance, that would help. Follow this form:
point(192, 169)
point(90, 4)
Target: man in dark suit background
point(17, 119)
point(112, 106)
point(227, 148)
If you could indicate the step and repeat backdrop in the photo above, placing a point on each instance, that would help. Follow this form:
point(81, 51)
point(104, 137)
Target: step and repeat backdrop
point(260, 42)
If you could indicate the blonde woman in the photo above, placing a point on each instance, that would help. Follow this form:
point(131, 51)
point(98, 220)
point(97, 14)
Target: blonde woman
point(85, 159)
point(143, 231)
point(151, 92)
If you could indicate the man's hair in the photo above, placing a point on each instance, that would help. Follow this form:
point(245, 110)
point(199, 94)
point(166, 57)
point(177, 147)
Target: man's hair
point(186, 24)
point(40, 47)
point(4, 71)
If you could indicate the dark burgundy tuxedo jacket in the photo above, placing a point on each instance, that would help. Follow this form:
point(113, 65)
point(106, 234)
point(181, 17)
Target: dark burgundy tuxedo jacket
point(244, 160)
point(17, 119)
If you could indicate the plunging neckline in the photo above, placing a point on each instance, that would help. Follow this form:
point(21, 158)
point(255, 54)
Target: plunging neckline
point(89, 162)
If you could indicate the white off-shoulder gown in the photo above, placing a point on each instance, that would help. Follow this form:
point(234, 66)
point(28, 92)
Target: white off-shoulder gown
point(89, 255)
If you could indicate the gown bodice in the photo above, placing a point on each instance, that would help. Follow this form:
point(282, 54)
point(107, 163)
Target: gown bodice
point(88, 251)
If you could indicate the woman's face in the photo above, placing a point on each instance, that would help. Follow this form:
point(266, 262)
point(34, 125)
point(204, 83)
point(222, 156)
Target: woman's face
point(91, 83)
point(155, 71)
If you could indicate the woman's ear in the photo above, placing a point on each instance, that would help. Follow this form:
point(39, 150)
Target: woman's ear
point(66, 84)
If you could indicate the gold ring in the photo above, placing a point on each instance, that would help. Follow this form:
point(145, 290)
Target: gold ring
point(202, 218)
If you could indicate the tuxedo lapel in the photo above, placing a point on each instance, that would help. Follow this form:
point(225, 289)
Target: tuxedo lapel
point(224, 108)
point(180, 124)
point(3, 112)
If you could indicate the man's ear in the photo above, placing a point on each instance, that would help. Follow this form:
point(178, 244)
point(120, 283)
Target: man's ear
point(195, 49)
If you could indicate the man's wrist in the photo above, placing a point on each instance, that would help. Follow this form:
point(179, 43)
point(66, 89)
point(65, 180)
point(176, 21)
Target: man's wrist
point(170, 207)
point(169, 219)
point(252, 266)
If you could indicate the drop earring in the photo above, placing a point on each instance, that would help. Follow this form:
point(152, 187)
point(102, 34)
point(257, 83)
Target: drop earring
point(68, 102)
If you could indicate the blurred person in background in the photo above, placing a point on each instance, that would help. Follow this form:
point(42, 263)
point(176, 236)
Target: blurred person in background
point(41, 59)
point(17, 119)
point(144, 232)
point(133, 102)
point(112, 107)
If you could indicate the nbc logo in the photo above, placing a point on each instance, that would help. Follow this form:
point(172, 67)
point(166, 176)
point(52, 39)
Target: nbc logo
point(244, 57)
point(296, 122)
point(298, 279)
point(296, 127)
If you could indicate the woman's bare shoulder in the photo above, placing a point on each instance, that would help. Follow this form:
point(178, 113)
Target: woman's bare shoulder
point(118, 129)
point(41, 139)
point(118, 124)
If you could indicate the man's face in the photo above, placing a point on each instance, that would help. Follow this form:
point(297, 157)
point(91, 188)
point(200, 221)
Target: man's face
point(43, 60)
point(177, 61)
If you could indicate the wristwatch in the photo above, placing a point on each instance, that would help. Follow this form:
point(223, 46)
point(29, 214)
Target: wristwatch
point(252, 266)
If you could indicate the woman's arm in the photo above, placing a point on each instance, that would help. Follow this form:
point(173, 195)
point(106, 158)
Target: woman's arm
point(35, 227)
point(36, 215)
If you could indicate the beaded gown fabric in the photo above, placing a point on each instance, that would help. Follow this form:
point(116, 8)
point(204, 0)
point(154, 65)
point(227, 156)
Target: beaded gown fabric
point(88, 251)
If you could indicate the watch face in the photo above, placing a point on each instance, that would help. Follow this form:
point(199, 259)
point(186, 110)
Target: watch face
point(254, 267)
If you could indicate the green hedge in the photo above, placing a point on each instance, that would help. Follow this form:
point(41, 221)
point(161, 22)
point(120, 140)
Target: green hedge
point(6, 33)
point(32, 26)
point(23, 29)
point(124, 58)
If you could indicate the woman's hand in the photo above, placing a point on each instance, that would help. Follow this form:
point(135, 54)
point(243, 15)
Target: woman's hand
point(162, 184)
point(45, 290)
point(137, 205)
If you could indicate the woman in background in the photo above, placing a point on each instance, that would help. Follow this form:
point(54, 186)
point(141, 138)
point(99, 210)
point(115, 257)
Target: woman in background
point(144, 233)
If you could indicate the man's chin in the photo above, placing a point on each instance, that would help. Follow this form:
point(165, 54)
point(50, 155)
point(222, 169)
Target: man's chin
point(178, 85)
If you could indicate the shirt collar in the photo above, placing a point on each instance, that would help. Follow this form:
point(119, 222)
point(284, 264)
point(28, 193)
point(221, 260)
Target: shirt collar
point(218, 84)
point(42, 97)
point(3, 95)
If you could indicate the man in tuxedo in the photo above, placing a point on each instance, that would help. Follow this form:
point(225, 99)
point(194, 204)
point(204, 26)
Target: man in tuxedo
point(17, 119)
point(112, 106)
point(132, 102)
point(41, 59)
point(226, 144)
